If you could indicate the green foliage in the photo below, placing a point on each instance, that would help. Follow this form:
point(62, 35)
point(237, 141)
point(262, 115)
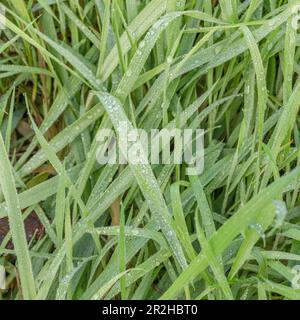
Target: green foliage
point(71, 68)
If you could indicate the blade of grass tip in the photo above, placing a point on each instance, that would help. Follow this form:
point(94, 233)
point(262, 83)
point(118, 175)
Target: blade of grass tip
point(64, 283)
point(216, 265)
point(46, 223)
point(145, 178)
point(203, 205)
point(48, 274)
point(251, 237)
point(103, 291)
point(145, 286)
point(16, 225)
point(235, 161)
point(179, 221)
point(230, 229)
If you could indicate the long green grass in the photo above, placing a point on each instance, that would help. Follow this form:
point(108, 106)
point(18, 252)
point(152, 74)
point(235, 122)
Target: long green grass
point(69, 68)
